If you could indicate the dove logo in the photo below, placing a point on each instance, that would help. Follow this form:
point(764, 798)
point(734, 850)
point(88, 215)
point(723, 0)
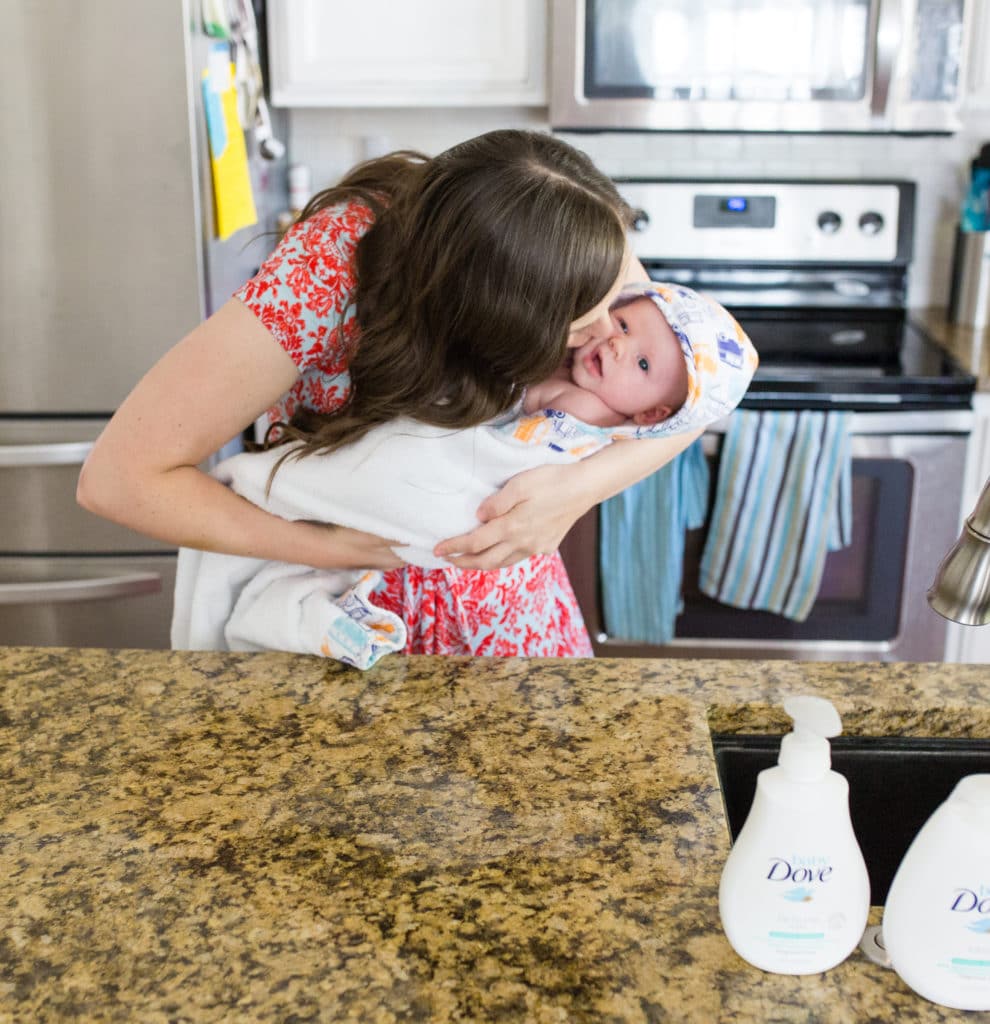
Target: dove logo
point(968, 901)
point(782, 870)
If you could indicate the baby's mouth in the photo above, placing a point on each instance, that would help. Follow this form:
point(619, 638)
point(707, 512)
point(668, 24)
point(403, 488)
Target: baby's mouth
point(593, 363)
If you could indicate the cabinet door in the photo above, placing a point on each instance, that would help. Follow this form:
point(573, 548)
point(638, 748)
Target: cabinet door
point(376, 53)
point(978, 96)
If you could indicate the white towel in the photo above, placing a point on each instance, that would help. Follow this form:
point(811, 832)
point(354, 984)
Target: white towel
point(782, 502)
point(406, 480)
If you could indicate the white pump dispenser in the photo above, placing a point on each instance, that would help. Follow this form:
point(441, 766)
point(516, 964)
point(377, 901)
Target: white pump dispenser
point(936, 923)
point(795, 894)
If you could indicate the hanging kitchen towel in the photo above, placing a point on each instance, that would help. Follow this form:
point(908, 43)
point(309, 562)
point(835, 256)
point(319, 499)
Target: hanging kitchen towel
point(782, 502)
point(644, 526)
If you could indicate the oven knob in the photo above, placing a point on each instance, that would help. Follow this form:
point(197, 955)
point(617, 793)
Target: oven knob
point(829, 222)
point(871, 223)
point(640, 220)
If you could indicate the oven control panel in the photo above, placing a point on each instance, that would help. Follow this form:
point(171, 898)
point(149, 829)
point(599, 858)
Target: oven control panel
point(792, 222)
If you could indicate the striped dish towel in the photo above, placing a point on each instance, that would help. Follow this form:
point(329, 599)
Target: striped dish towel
point(641, 547)
point(783, 500)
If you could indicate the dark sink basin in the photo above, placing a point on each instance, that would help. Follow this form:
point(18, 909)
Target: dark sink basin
point(894, 785)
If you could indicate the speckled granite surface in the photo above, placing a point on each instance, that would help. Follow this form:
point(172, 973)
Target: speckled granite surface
point(968, 345)
point(219, 837)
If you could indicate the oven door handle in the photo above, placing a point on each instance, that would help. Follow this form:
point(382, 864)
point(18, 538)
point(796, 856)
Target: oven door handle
point(65, 591)
point(887, 46)
point(72, 453)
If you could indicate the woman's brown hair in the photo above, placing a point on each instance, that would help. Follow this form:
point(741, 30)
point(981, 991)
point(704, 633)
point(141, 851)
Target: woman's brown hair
point(468, 280)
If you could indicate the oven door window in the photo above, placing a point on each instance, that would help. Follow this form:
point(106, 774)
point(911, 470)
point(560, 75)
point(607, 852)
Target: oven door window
point(727, 49)
point(860, 595)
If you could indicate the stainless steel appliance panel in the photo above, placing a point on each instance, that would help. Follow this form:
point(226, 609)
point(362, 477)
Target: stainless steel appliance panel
point(109, 257)
point(873, 595)
point(89, 601)
point(39, 468)
point(101, 266)
point(748, 65)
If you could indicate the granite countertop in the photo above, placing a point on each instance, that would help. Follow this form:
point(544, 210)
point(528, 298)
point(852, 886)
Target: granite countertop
point(969, 346)
point(215, 837)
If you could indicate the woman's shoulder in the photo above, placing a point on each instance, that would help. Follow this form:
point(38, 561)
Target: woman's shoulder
point(346, 218)
point(313, 263)
point(330, 234)
point(303, 294)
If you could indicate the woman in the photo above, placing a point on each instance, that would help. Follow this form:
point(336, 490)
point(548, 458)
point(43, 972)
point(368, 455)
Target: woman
point(433, 288)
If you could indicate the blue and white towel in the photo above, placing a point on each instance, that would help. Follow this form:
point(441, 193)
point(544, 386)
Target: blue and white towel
point(783, 501)
point(644, 526)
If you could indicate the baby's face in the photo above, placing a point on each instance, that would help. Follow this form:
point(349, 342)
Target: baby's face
point(639, 368)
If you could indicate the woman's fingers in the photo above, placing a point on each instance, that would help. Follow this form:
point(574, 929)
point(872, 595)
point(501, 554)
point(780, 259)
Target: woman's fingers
point(363, 550)
point(499, 556)
point(494, 545)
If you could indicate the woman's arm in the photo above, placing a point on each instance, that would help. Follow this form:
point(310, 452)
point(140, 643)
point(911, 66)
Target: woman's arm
point(532, 513)
point(143, 470)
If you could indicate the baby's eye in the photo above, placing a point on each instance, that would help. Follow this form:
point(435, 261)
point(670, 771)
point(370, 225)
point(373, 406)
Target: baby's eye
point(644, 364)
point(624, 327)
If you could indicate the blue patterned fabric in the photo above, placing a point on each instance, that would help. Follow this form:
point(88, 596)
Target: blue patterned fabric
point(642, 548)
point(783, 501)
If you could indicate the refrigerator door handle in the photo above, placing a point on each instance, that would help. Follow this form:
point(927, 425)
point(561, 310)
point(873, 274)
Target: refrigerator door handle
point(63, 591)
point(72, 453)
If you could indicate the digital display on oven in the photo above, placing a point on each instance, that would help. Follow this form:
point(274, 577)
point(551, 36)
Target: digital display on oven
point(734, 211)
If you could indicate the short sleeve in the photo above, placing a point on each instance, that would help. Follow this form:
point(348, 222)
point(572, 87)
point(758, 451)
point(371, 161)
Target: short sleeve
point(303, 295)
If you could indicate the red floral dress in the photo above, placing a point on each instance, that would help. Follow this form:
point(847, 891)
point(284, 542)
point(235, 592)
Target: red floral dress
point(302, 294)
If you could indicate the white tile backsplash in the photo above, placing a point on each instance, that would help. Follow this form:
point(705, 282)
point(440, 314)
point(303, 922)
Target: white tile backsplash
point(330, 141)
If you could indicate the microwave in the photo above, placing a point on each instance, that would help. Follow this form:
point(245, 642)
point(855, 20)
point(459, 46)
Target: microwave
point(849, 66)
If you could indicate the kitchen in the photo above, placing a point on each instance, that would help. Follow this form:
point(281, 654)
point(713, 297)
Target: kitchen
point(330, 113)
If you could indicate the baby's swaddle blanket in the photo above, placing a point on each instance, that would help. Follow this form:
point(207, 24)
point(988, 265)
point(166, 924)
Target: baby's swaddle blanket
point(417, 484)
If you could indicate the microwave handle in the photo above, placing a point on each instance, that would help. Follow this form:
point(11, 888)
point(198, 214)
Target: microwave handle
point(887, 45)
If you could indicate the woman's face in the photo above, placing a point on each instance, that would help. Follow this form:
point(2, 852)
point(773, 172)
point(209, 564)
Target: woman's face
point(596, 324)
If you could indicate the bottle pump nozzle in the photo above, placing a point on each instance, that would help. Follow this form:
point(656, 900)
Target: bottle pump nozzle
point(805, 753)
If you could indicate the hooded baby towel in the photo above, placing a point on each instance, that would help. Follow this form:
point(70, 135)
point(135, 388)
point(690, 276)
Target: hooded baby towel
point(418, 484)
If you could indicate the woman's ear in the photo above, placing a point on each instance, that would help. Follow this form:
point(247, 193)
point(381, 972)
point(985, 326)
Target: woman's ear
point(655, 415)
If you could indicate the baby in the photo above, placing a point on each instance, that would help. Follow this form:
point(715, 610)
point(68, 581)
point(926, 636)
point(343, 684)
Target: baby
point(639, 374)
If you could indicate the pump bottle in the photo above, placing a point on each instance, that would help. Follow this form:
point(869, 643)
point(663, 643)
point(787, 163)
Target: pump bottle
point(795, 894)
point(936, 922)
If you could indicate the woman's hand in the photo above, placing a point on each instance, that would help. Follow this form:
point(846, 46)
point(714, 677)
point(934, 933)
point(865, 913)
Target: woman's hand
point(529, 515)
point(532, 513)
point(351, 549)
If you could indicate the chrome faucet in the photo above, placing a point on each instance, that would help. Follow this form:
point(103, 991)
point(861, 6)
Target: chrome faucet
point(961, 590)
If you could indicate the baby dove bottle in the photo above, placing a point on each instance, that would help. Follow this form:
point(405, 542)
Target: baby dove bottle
point(936, 923)
point(795, 894)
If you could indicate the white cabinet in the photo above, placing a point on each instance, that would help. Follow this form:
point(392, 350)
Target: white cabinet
point(401, 53)
point(978, 77)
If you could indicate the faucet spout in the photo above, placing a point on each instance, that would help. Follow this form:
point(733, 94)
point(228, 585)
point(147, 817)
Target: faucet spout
point(961, 590)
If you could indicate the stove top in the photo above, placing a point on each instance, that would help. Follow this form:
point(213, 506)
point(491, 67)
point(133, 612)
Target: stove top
point(859, 363)
point(817, 273)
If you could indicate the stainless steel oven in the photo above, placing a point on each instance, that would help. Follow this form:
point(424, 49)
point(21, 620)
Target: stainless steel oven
point(759, 65)
point(816, 272)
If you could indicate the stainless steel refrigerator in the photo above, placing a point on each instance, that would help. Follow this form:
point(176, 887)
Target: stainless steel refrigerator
point(107, 258)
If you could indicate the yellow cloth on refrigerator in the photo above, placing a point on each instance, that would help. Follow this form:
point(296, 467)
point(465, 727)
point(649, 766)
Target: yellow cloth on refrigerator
point(233, 199)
